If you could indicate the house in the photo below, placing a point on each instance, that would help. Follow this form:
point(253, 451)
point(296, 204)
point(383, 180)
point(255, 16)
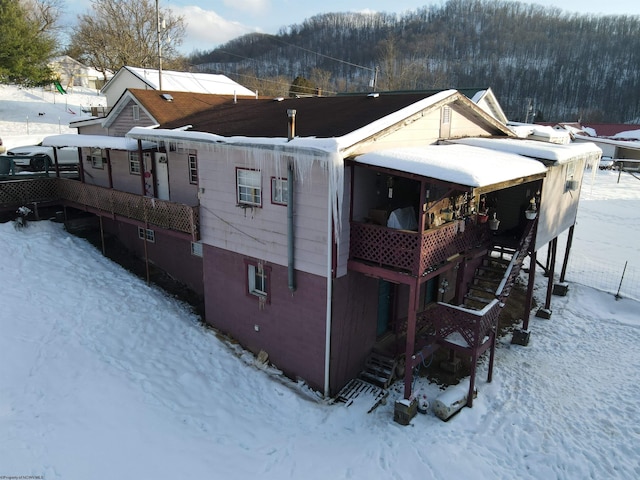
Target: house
point(171, 81)
point(327, 232)
point(73, 73)
point(322, 240)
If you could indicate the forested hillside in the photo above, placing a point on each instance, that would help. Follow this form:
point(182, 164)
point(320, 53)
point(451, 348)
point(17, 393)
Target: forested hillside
point(561, 66)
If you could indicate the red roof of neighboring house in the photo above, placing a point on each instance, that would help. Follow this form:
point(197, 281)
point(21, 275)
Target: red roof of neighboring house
point(602, 129)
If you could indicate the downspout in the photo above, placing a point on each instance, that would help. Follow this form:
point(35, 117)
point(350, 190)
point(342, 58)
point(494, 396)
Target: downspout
point(290, 225)
point(327, 339)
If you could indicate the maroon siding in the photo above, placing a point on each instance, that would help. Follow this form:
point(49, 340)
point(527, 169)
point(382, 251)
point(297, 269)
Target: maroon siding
point(291, 328)
point(169, 253)
point(353, 326)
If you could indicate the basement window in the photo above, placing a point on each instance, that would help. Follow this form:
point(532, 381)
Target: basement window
point(258, 280)
point(147, 234)
point(196, 249)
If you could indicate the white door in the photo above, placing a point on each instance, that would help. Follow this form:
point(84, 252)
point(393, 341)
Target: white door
point(162, 175)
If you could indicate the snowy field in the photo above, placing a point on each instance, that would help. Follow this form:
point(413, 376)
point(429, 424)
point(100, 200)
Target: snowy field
point(103, 377)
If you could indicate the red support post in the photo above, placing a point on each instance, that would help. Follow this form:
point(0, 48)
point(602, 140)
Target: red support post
point(411, 340)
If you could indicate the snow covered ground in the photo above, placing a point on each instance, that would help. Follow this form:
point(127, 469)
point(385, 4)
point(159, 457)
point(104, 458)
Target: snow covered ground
point(104, 377)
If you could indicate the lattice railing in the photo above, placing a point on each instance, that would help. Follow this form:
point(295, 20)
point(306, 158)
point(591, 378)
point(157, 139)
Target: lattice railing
point(409, 251)
point(155, 212)
point(161, 213)
point(472, 325)
point(16, 193)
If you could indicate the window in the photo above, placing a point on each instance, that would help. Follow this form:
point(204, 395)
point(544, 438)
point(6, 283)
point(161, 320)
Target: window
point(279, 191)
point(258, 280)
point(97, 158)
point(136, 112)
point(446, 114)
point(146, 233)
point(249, 189)
point(196, 249)
point(193, 169)
point(134, 163)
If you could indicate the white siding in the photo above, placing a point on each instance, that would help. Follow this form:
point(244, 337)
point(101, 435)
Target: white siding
point(559, 207)
point(262, 232)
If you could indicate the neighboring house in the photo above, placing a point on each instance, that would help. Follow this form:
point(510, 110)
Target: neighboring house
point(150, 79)
point(335, 227)
point(487, 101)
point(612, 147)
point(72, 73)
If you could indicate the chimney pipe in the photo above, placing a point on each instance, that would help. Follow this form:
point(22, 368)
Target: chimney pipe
point(292, 124)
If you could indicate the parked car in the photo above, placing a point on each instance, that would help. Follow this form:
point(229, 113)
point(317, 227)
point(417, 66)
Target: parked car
point(37, 157)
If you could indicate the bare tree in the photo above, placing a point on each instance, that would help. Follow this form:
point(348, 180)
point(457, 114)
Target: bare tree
point(45, 14)
point(125, 32)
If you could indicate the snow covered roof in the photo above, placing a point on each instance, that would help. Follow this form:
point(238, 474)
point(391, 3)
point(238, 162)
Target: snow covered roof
point(460, 164)
point(94, 141)
point(548, 152)
point(540, 132)
point(183, 81)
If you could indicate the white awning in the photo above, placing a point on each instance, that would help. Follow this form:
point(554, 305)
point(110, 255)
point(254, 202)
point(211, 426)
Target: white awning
point(460, 164)
point(95, 141)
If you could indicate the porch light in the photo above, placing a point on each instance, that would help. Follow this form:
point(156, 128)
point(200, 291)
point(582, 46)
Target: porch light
point(532, 211)
point(494, 223)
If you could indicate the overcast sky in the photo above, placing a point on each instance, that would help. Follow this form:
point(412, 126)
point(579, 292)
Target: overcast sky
point(211, 23)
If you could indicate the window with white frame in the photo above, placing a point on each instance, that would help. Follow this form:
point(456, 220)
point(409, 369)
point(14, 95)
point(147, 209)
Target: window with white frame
point(97, 158)
point(136, 112)
point(134, 163)
point(249, 187)
point(446, 114)
point(279, 191)
point(193, 169)
point(258, 280)
point(146, 234)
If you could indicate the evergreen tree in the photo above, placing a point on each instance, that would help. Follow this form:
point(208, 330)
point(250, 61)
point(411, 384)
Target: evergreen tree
point(25, 49)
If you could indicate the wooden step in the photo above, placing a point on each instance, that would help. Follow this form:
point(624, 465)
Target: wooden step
point(379, 370)
point(480, 288)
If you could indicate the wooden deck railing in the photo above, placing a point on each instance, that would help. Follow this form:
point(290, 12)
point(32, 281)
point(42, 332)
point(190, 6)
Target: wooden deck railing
point(161, 213)
point(410, 251)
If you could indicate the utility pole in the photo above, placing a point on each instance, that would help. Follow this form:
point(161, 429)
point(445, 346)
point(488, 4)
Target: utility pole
point(159, 47)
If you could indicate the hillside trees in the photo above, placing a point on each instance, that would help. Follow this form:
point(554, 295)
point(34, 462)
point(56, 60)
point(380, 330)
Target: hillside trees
point(570, 65)
point(125, 32)
point(26, 45)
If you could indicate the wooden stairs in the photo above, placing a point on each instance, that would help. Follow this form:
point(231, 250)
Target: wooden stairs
point(379, 370)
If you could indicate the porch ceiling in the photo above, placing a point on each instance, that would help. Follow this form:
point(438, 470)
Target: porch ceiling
point(461, 164)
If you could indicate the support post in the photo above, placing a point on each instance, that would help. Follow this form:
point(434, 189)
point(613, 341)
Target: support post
point(411, 340)
point(529, 299)
point(551, 260)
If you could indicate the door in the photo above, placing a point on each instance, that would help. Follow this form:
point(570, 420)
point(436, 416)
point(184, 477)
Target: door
point(384, 306)
point(161, 167)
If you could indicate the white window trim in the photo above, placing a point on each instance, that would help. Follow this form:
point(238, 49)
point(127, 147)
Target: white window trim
point(134, 163)
point(258, 279)
point(136, 112)
point(249, 190)
point(150, 234)
point(192, 160)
